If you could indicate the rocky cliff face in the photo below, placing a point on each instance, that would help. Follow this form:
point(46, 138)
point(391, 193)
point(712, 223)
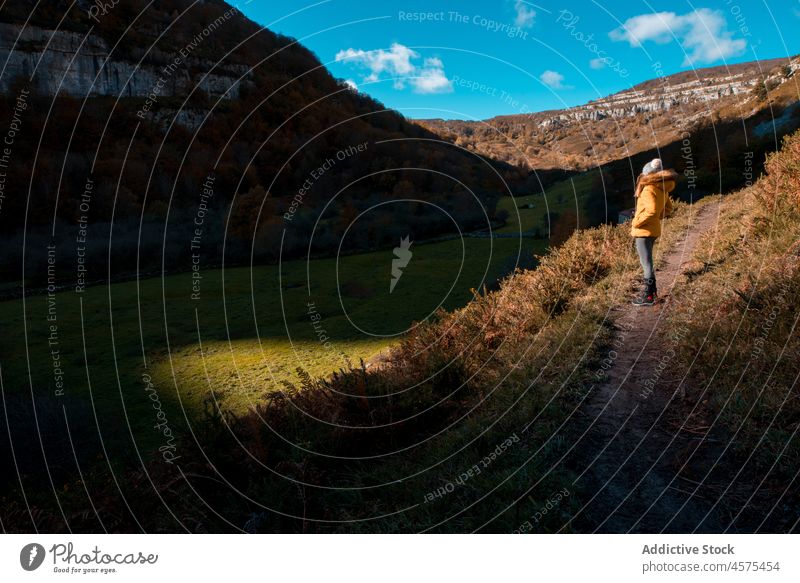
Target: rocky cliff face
point(667, 96)
point(70, 63)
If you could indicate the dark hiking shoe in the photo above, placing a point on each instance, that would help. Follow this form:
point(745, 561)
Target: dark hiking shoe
point(645, 299)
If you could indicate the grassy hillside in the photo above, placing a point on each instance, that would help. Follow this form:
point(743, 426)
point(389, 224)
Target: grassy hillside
point(453, 390)
point(737, 321)
point(458, 427)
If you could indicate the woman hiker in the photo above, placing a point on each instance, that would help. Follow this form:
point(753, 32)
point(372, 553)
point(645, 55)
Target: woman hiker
point(652, 204)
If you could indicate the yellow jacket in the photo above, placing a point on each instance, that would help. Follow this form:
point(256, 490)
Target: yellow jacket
point(652, 202)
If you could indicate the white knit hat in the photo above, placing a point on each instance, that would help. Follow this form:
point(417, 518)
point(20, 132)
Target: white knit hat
point(652, 166)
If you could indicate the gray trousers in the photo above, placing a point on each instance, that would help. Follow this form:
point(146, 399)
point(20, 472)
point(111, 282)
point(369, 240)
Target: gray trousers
point(644, 247)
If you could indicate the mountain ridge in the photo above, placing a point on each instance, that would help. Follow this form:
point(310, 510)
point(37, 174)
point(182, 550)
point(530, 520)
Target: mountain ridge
point(212, 92)
point(667, 106)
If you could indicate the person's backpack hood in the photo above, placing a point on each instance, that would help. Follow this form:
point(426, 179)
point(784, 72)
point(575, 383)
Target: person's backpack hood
point(661, 178)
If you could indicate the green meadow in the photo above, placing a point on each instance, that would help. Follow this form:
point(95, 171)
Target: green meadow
point(528, 213)
point(247, 333)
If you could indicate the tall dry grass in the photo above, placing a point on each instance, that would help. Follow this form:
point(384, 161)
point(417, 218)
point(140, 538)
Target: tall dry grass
point(737, 316)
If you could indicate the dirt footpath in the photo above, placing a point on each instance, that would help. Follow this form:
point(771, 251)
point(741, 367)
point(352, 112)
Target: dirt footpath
point(635, 464)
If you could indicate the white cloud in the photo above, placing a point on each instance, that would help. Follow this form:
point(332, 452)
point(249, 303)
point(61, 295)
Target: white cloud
point(525, 16)
point(708, 39)
point(658, 27)
point(397, 62)
point(553, 79)
point(703, 34)
point(351, 84)
point(431, 78)
point(597, 63)
point(434, 62)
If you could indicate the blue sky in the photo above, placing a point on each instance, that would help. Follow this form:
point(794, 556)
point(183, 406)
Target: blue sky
point(474, 59)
